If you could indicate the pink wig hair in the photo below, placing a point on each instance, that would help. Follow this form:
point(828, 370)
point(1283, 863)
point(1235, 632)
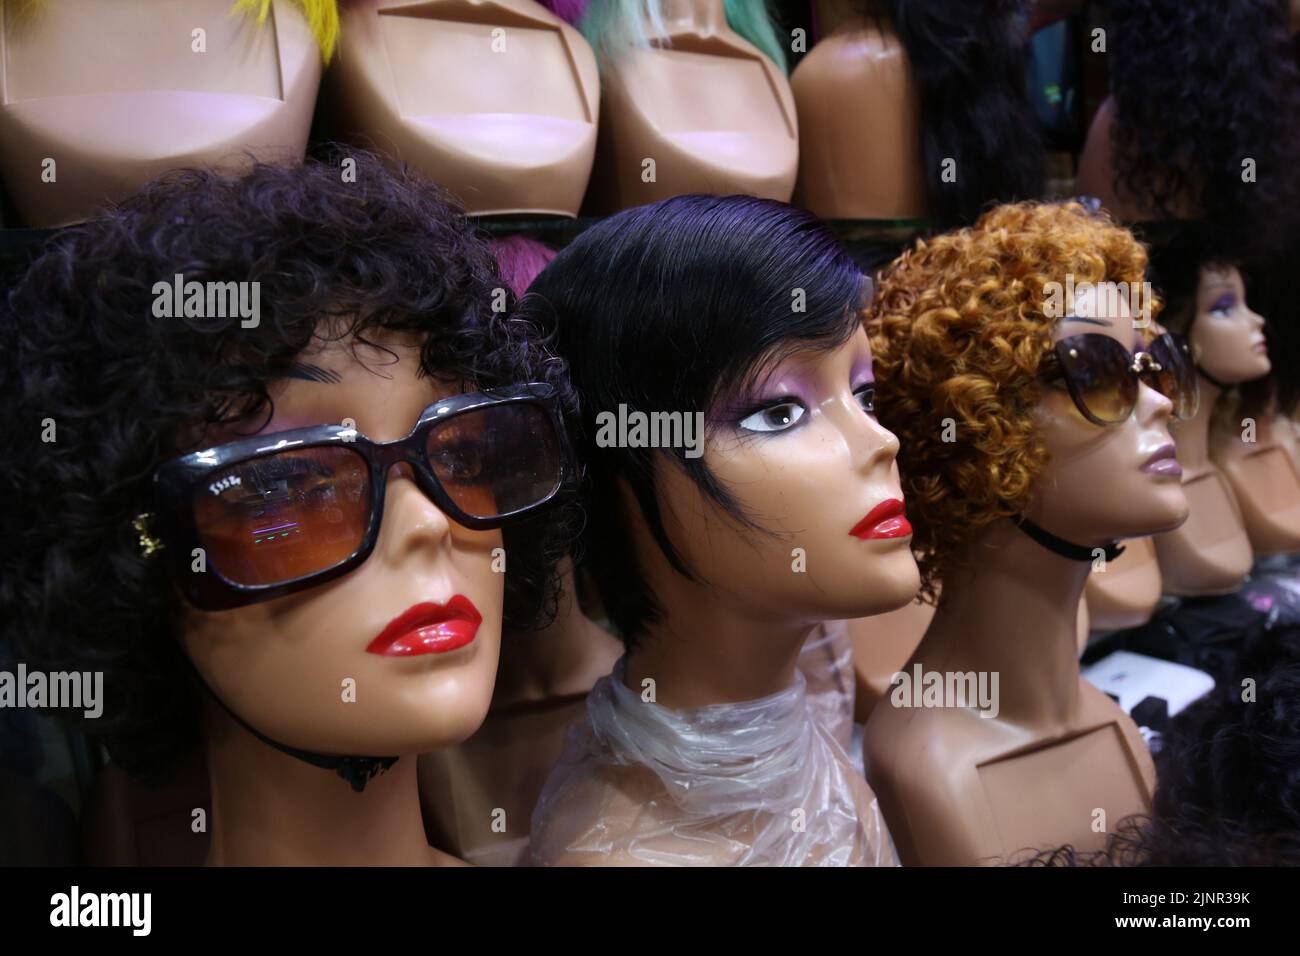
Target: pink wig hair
point(570, 11)
point(520, 259)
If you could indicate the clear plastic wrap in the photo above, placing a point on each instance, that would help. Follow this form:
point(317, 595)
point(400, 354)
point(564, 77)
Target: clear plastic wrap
point(826, 663)
point(755, 783)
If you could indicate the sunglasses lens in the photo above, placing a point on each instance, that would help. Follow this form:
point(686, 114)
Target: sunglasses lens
point(1176, 379)
point(280, 517)
point(497, 460)
point(1097, 368)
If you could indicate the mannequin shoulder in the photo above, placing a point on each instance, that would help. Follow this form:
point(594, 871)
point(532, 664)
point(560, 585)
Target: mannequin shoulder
point(1098, 708)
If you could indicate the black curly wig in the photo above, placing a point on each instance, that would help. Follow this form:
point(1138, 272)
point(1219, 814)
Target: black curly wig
point(968, 63)
point(1199, 86)
point(1229, 775)
point(126, 389)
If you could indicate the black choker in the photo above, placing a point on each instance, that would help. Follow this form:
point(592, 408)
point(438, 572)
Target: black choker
point(1212, 380)
point(357, 771)
point(1066, 549)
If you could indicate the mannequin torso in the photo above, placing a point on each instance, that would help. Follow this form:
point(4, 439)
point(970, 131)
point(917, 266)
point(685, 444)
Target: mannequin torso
point(496, 101)
point(959, 788)
point(713, 113)
point(1128, 590)
point(148, 100)
point(1265, 482)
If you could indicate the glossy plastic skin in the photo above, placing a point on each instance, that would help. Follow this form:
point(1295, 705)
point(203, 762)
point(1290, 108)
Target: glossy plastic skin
point(114, 94)
point(737, 698)
point(882, 645)
point(862, 161)
point(1211, 553)
point(713, 113)
point(495, 100)
point(1266, 482)
point(1127, 591)
point(1059, 758)
point(283, 666)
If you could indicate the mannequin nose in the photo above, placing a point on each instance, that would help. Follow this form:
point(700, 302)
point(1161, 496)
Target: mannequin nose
point(411, 521)
point(1153, 405)
point(870, 443)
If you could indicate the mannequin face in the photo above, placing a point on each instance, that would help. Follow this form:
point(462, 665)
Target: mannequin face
point(1227, 337)
point(281, 665)
point(805, 459)
point(1101, 483)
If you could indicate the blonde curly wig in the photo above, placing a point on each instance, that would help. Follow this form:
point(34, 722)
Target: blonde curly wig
point(958, 333)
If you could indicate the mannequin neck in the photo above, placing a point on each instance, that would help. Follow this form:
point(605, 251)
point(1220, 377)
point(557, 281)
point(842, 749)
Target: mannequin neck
point(705, 17)
point(562, 659)
point(270, 809)
point(1192, 437)
point(705, 649)
point(1013, 609)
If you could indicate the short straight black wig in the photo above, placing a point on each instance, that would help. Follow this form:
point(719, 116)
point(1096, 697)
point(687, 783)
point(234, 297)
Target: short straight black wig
point(673, 307)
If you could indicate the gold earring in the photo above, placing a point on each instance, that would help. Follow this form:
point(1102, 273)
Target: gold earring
point(147, 543)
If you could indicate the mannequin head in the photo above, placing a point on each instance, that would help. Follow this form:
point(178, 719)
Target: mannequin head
point(1205, 300)
point(963, 338)
point(374, 302)
point(1176, 152)
point(685, 306)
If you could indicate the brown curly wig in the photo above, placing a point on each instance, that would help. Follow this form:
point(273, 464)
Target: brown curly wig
point(958, 331)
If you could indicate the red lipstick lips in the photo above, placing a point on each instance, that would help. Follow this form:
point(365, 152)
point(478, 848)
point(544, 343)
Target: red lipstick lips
point(885, 520)
point(429, 628)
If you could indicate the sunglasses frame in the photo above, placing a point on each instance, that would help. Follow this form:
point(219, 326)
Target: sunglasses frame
point(175, 480)
point(1141, 365)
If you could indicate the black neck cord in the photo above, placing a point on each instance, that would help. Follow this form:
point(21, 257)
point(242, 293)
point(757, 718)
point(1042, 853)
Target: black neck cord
point(1212, 380)
point(358, 771)
point(1066, 549)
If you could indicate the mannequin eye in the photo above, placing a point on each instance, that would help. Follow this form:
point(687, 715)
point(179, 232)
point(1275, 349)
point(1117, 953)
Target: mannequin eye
point(774, 418)
point(866, 397)
point(1223, 306)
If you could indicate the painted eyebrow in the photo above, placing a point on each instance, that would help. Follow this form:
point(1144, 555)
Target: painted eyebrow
point(312, 373)
point(1079, 318)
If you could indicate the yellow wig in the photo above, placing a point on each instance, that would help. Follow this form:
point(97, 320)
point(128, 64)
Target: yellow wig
point(322, 17)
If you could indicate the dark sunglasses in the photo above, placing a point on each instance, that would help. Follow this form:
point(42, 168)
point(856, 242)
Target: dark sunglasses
point(1102, 376)
point(275, 514)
